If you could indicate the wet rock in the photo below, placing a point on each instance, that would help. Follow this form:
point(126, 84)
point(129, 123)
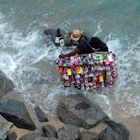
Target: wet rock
point(16, 112)
point(82, 105)
point(68, 132)
point(6, 84)
point(11, 136)
point(49, 131)
point(52, 33)
point(78, 110)
point(4, 128)
point(88, 136)
point(51, 139)
point(114, 131)
point(40, 114)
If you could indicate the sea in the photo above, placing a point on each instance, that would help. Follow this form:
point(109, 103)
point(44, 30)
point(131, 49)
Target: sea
point(28, 57)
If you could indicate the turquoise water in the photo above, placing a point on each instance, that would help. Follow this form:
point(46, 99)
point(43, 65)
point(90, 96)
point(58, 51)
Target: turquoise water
point(27, 56)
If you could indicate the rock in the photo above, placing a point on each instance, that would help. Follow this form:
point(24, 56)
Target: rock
point(114, 131)
point(88, 136)
point(4, 128)
point(16, 112)
point(68, 132)
point(51, 139)
point(40, 114)
point(11, 136)
point(49, 131)
point(52, 33)
point(6, 84)
point(78, 110)
point(35, 136)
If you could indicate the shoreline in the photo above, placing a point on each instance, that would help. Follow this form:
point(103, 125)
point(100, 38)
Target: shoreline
point(132, 123)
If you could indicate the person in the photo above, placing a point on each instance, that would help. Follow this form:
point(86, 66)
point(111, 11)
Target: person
point(84, 44)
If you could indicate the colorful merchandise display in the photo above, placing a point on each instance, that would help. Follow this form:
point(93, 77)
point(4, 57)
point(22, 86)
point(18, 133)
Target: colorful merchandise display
point(88, 71)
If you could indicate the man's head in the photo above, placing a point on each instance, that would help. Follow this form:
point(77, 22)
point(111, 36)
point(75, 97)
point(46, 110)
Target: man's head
point(76, 35)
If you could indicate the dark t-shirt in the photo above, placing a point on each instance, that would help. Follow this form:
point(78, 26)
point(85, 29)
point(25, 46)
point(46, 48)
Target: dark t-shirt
point(84, 47)
point(96, 43)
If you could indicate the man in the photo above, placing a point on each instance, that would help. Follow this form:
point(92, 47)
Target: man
point(84, 44)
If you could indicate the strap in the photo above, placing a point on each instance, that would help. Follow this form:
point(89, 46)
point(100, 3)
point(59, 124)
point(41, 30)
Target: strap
point(95, 50)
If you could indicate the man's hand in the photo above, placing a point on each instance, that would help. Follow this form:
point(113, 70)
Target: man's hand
point(61, 55)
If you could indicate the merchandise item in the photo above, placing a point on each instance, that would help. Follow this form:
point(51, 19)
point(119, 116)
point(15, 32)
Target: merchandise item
point(88, 71)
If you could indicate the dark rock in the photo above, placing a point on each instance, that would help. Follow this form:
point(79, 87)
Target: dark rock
point(52, 33)
point(35, 136)
point(4, 128)
point(78, 110)
point(11, 136)
point(6, 84)
point(51, 139)
point(88, 136)
point(82, 106)
point(114, 131)
point(40, 114)
point(16, 112)
point(68, 132)
point(49, 131)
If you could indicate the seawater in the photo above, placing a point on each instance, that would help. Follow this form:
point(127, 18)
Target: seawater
point(28, 57)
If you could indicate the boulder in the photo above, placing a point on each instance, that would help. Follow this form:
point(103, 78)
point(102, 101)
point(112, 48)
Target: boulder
point(4, 128)
point(86, 135)
point(11, 136)
point(49, 131)
point(6, 84)
point(68, 132)
point(40, 114)
point(78, 110)
point(16, 112)
point(114, 131)
point(52, 33)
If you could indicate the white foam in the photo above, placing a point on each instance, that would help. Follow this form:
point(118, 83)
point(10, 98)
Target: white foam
point(102, 100)
point(127, 87)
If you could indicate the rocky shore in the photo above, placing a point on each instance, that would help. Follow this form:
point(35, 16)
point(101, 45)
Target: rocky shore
point(77, 119)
